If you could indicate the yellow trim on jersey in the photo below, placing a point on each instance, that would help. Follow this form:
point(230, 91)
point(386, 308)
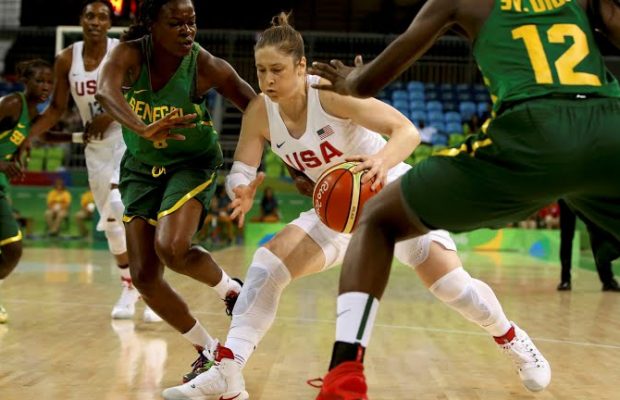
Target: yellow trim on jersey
point(127, 218)
point(13, 239)
point(355, 201)
point(463, 148)
point(186, 198)
point(3, 134)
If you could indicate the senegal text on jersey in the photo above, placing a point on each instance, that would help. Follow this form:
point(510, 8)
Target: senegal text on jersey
point(534, 5)
point(149, 115)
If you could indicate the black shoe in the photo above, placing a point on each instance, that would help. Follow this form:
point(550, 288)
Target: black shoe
point(611, 286)
point(202, 364)
point(231, 298)
point(564, 286)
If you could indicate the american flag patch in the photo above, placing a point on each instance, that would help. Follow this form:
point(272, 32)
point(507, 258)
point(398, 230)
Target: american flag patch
point(325, 131)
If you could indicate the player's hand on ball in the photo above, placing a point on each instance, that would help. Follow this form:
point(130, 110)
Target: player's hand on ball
point(95, 129)
point(338, 74)
point(376, 169)
point(244, 199)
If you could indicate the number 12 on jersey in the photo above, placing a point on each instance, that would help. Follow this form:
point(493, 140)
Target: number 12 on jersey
point(566, 63)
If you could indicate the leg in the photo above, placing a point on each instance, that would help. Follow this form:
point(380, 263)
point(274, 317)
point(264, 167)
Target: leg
point(10, 254)
point(147, 275)
point(567, 233)
point(80, 217)
point(50, 217)
point(605, 249)
point(173, 243)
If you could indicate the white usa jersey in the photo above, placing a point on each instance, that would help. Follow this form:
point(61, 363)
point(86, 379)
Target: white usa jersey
point(327, 141)
point(84, 83)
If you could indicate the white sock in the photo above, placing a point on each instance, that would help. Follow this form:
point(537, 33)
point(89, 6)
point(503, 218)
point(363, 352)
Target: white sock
point(125, 274)
point(257, 304)
point(473, 299)
point(356, 317)
point(225, 285)
point(198, 336)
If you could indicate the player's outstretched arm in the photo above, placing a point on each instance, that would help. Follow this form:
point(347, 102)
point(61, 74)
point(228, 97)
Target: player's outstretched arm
point(216, 73)
point(242, 181)
point(366, 80)
point(379, 117)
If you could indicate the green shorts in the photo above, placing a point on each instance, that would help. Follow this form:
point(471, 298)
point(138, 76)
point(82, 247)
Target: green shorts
point(531, 155)
point(151, 192)
point(9, 230)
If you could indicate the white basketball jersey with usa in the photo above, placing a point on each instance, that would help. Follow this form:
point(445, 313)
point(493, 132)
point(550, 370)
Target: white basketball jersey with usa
point(327, 141)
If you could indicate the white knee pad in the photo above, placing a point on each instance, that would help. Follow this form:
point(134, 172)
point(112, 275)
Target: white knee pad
point(116, 204)
point(256, 307)
point(413, 252)
point(115, 233)
point(472, 298)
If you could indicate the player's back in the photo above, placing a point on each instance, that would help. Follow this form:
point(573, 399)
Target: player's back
point(535, 48)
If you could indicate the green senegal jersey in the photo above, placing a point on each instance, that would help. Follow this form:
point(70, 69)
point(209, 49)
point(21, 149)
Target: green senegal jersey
point(534, 48)
point(11, 139)
point(200, 141)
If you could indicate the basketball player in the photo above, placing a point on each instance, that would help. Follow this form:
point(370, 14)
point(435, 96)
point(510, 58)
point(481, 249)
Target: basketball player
point(295, 117)
point(76, 70)
point(16, 112)
point(167, 183)
point(554, 133)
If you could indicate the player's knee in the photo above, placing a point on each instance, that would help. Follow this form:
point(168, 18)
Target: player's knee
point(115, 234)
point(11, 254)
point(145, 280)
point(116, 204)
point(173, 252)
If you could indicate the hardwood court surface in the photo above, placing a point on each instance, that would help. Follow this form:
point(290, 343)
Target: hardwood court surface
point(61, 344)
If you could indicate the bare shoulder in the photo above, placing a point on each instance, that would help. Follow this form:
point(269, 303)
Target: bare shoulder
point(130, 51)
point(64, 59)
point(11, 105)
point(208, 62)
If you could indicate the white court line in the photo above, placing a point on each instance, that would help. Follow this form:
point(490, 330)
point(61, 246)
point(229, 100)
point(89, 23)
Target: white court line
point(333, 322)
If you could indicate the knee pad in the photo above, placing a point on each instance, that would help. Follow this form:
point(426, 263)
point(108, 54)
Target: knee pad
point(115, 233)
point(466, 295)
point(116, 204)
point(257, 304)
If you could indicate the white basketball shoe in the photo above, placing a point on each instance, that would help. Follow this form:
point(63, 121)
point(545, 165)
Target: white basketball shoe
point(125, 307)
point(150, 315)
point(4, 316)
point(223, 381)
point(534, 370)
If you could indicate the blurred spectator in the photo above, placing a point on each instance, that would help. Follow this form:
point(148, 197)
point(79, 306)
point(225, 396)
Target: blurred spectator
point(426, 132)
point(86, 212)
point(472, 126)
point(268, 207)
point(550, 216)
point(58, 202)
point(530, 223)
point(218, 222)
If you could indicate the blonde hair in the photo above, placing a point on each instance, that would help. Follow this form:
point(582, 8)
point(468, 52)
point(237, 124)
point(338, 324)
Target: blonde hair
point(282, 36)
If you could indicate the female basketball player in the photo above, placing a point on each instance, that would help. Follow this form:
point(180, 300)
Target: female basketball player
point(291, 115)
point(16, 112)
point(76, 70)
point(554, 135)
point(166, 184)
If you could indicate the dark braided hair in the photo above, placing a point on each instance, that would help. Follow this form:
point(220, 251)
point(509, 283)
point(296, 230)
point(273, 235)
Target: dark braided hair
point(146, 15)
point(106, 3)
point(26, 69)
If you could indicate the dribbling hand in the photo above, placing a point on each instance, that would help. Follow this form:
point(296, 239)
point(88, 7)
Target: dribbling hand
point(244, 199)
point(375, 167)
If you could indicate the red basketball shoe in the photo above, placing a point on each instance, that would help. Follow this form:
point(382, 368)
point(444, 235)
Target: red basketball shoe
point(345, 382)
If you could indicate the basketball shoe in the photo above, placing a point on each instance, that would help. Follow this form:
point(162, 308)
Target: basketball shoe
point(534, 370)
point(150, 316)
point(344, 382)
point(205, 360)
point(125, 307)
point(4, 316)
point(231, 297)
point(223, 381)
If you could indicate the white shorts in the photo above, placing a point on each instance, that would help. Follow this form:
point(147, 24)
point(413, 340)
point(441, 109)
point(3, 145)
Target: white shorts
point(103, 163)
point(411, 252)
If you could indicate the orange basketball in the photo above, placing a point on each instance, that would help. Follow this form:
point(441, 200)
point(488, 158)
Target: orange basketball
point(339, 197)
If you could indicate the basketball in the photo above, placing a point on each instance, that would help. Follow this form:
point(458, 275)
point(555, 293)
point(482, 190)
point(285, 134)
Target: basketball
point(339, 197)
